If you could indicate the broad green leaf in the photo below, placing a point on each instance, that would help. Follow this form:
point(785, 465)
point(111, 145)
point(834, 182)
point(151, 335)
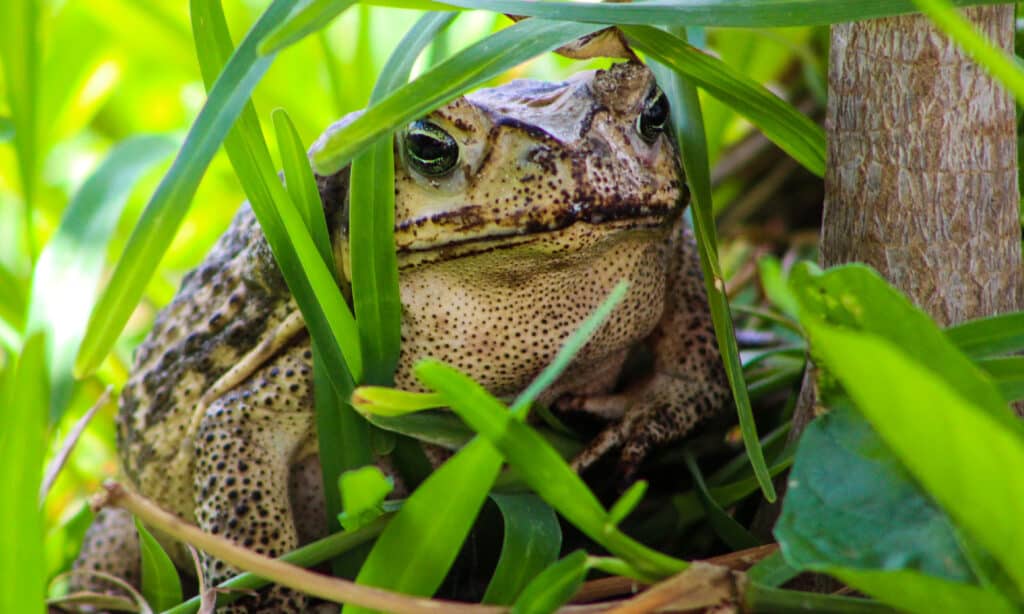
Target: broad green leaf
point(730, 13)
point(22, 446)
point(989, 336)
point(166, 209)
point(70, 266)
point(420, 544)
point(363, 491)
point(856, 297)
point(796, 134)
point(735, 535)
point(532, 541)
point(776, 285)
point(301, 184)
point(554, 586)
point(850, 504)
point(688, 119)
point(470, 67)
point(314, 16)
point(540, 465)
point(998, 62)
point(1008, 375)
point(161, 585)
point(950, 443)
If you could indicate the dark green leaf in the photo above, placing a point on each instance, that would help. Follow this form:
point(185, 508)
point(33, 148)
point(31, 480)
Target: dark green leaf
point(1008, 375)
point(161, 585)
point(773, 570)
point(532, 541)
point(554, 586)
point(724, 525)
point(989, 336)
point(71, 264)
point(471, 67)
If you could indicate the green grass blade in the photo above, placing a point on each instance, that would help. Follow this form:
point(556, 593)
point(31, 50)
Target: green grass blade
point(13, 299)
point(6, 129)
point(69, 269)
point(725, 526)
point(420, 544)
point(161, 585)
point(22, 446)
point(997, 61)
point(554, 586)
point(301, 184)
point(21, 55)
point(531, 543)
point(372, 219)
point(471, 67)
point(688, 120)
point(1008, 375)
point(314, 287)
point(167, 207)
point(311, 18)
point(989, 336)
point(729, 13)
point(569, 349)
point(791, 130)
point(540, 465)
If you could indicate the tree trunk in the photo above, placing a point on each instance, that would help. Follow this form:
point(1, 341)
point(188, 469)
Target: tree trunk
point(922, 174)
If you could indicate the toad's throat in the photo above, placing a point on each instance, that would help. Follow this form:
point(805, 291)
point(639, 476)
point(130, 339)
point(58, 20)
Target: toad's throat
point(475, 223)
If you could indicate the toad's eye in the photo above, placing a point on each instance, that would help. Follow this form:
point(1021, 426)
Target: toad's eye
point(431, 150)
point(651, 121)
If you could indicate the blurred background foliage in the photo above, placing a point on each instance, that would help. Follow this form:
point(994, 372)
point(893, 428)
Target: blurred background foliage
point(113, 69)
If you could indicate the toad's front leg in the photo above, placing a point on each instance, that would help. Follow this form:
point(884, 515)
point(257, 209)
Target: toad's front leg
point(688, 381)
point(244, 449)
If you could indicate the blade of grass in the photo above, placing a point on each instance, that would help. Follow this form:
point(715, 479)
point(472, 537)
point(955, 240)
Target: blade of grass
point(554, 586)
point(372, 218)
point(531, 543)
point(472, 66)
point(1008, 374)
point(301, 184)
point(780, 121)
point(725, 526)
point(22, 446)
point(727, 13)
point(688, 120)
point(313, 17)
point(69, 269)
point(21, 55)
point(540, 465)
point(989, 336)
point(167, 207)
point(6, 129)
point(420, 544)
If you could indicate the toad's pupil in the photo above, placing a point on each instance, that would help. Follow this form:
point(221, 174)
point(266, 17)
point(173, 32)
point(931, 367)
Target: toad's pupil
point(654, 115)
point(432, 151)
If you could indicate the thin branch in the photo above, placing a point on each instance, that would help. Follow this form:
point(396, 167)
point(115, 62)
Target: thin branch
point(285, 574)
point(58, 462)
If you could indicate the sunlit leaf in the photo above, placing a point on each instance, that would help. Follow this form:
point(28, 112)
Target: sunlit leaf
point(161, 585)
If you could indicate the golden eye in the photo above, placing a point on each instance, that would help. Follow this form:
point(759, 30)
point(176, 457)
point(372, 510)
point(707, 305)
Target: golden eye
point(430, 149)
point(651, 121)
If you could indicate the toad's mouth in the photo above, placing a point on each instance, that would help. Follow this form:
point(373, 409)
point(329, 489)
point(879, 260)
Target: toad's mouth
point(476, 224)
